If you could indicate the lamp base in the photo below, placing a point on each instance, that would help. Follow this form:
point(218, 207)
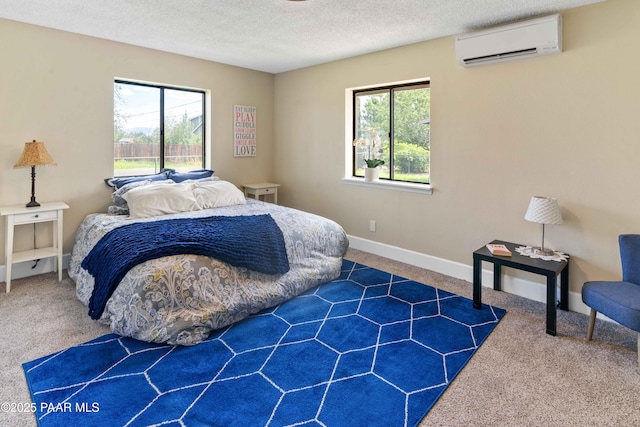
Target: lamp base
point(33, 203)
point(541, 251)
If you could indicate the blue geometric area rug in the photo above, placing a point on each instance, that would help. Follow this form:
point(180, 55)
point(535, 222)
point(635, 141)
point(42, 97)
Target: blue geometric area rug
point(368, 349)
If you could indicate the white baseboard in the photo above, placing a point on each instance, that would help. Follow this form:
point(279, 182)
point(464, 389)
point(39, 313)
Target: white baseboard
point(23, 269)
point(514, 285)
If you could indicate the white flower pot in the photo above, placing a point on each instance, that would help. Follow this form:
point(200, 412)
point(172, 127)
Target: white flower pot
point(371, 174)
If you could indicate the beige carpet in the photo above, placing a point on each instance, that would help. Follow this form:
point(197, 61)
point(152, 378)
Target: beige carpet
point(520, 376)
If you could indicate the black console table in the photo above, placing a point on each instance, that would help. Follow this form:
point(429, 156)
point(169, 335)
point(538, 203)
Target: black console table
point(549, 269)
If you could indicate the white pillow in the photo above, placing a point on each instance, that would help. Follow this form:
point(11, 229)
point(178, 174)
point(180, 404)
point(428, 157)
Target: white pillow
point(117, 198)
point(154, 200)
point(217, 194)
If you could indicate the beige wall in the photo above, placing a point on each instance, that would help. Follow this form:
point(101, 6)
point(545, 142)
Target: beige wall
point(57, 87)
point(564, 126)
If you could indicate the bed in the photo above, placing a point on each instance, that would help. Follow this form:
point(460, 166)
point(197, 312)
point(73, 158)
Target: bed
point(181, 298)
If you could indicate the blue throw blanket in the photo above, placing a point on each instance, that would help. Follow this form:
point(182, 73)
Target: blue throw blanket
point(255, 242)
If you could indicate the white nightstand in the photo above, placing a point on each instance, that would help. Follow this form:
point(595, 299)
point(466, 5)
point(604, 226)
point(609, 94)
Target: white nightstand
point(262, 189)
point(19, 215)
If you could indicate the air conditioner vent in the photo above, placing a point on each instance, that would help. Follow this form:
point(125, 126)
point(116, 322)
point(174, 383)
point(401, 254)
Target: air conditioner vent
point(506, 55)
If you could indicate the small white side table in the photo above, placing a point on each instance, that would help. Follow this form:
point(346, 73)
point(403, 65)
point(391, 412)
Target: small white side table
point(19, 215)
point(262, 189)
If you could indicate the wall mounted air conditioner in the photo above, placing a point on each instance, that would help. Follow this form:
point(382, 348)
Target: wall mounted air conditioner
point(523, 39)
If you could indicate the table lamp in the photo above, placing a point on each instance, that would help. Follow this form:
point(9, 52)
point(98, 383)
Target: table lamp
point(34, 154)
point(543, 210)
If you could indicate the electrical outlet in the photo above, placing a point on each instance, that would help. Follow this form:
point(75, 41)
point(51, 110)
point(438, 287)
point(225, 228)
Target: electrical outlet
point(372, 225)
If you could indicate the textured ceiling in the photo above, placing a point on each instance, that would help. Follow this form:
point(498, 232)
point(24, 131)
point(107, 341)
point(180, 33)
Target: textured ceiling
point(274, 35)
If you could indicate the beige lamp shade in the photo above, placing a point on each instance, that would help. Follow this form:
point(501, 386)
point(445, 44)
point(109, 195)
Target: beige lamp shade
point(543, 210)
point(34, 154)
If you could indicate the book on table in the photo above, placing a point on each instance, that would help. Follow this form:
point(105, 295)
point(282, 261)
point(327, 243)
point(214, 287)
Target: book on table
point(499, 250)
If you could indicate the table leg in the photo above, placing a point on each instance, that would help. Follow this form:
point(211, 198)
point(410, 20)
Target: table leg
point(477, 284)
point(57, 242)
point(497, 277)
point(551, 304)
point(9, 253)
point(564, 289)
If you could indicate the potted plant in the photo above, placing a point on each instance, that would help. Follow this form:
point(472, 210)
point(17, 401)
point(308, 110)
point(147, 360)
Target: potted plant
point(371, 171)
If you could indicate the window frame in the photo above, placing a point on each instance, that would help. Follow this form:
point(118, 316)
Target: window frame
point(390, 89)
point(161, 112)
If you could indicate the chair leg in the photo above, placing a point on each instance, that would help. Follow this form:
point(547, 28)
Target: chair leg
point(592, 323)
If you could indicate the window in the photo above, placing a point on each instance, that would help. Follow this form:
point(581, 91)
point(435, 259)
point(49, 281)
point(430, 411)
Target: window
point(156, 127)
point(392, 124)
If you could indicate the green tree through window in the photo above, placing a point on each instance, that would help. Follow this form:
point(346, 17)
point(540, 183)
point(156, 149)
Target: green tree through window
point(393, 124)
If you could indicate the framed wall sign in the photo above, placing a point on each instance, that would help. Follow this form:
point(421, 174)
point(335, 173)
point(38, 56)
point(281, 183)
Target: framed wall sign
point(244, 131)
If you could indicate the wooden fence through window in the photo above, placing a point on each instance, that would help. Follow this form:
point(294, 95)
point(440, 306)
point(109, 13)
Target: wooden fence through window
point(175, 152)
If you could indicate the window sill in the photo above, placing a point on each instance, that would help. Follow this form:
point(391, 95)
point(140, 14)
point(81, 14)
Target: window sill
point(391, 185)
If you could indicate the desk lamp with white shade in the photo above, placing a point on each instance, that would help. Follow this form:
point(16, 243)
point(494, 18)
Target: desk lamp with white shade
point(543, 210)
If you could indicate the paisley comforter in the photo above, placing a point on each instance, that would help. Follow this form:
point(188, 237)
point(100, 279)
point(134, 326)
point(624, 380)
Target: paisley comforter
point(180, 299)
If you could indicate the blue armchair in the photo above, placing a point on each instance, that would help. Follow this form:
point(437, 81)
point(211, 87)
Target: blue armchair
point(619, 301)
